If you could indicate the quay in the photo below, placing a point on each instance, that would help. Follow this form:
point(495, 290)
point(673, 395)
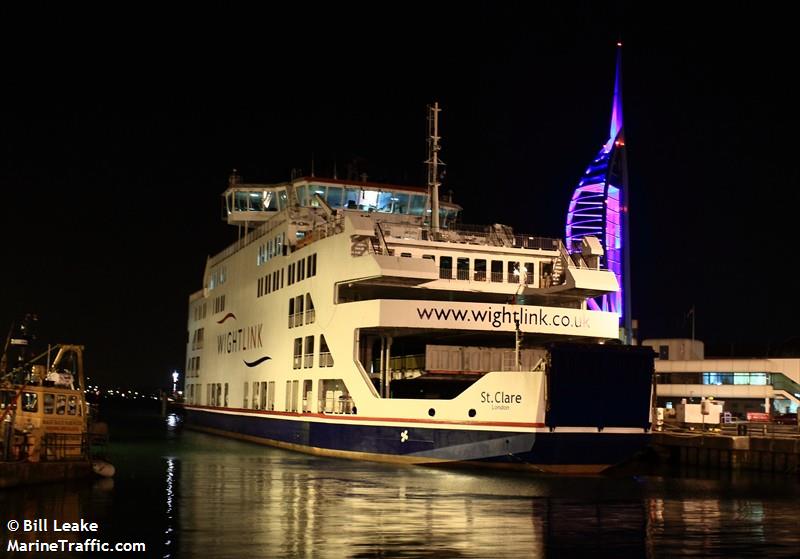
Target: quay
point(776, 450)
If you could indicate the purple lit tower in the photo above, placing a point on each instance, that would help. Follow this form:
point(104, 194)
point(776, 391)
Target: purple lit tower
point(599, 208)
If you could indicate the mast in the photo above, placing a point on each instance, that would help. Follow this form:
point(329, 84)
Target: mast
point(433, 163)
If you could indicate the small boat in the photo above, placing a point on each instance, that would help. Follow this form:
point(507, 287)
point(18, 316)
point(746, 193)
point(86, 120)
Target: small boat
point(44, 417)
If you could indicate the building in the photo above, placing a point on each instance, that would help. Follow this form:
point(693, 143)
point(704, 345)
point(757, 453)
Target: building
point(770, 385)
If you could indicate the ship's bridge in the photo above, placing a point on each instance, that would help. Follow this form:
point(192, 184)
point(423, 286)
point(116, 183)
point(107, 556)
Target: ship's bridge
point(254, 203)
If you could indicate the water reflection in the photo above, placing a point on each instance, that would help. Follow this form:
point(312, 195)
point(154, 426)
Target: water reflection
point(270, 502)
point(190, 495)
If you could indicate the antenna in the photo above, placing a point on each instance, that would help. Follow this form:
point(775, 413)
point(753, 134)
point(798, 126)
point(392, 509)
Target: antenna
point(433, 163)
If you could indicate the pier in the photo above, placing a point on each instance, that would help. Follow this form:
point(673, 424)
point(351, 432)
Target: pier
point(776, 449)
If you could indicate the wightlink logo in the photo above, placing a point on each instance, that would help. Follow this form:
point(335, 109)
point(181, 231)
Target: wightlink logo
point(499, 317)
point(241, 339)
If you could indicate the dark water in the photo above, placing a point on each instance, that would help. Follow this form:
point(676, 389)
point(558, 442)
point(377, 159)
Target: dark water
point(187, 494)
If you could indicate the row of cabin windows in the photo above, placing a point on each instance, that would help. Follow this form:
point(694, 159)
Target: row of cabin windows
point(263, 395)
point(217, 278)
point(499, 271)
point(333, 396)
point(215, 396)
point(303, 268)
point(193, 366)
point(52, 404)
point(270, 282)
point(219, 304)
point(296, 271)
point(303, 353)
point(199, 311)
point(272, 248)
point(197, 338)
point(301, 309)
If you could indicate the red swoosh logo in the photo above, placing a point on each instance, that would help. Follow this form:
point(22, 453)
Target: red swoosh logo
point(226, 317)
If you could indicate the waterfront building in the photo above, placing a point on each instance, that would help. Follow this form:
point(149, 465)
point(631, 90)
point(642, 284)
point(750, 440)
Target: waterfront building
point(766, 385)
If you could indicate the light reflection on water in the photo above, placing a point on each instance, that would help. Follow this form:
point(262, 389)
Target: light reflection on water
point(188, 495)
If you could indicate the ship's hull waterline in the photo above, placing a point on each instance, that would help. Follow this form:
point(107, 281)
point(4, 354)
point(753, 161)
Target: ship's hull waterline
point(537, 449)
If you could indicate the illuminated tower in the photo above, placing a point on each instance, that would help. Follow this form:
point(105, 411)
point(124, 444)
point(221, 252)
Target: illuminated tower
point(599, 207)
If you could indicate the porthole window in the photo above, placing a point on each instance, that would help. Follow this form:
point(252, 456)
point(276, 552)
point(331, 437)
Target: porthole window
point(431, 412)
point(472, 413)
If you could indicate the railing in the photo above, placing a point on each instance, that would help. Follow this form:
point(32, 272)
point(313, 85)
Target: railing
point(311, 316)
point(308, 360)
point(325, 359)
point(253, 235)
point(295, 319)
point(64, 446)
point(470, 234)
point(297, 362)
point(327, 229)
point(343, 404)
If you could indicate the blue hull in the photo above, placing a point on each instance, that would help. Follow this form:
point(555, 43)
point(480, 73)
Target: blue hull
point(549, 451)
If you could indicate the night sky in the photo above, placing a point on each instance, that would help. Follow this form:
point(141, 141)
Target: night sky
point(116, 143)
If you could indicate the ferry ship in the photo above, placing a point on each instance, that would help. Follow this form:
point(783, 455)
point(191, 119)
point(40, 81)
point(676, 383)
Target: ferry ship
point(362, 320)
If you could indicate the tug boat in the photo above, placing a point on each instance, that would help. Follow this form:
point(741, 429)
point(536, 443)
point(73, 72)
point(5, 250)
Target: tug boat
point(362, 320)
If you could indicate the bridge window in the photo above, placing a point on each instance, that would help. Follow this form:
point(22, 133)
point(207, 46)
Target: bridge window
point(49, 403)
point(400, 203)
point(418, 203)
point(61, 404)
point(334, 198)
point(30, 402)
